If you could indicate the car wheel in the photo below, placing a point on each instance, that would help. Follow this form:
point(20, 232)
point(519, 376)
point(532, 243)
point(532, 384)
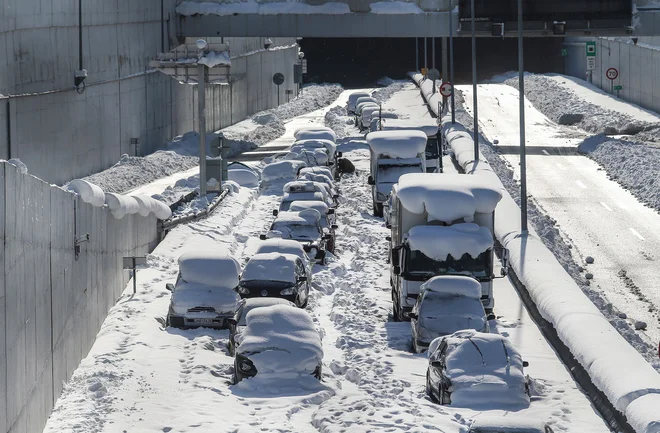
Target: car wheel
point(234, 376)
point(378, 210)
point(429, 388)
point(303, 304)
point(444, 398)
point(231, 348)
point(415, 348)
point(395, 310)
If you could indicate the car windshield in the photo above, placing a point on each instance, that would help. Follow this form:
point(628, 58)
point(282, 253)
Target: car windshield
point(388, 173)
point(421, 265)
point(297, 231)
point(266, 284)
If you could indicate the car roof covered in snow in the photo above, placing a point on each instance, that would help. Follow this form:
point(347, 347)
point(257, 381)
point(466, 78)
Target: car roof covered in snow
point(299, 205)
point(429, 128)
point(289, 197)
point(303, 186)
point(317, 177)
point(251, 303)
point(211, 268)
point(284, 246)
point(306, 217)
point(284, 169)
point(271, 267)
point(397, 144)
point(328, 145)
point(432, 192)
point(280, 339)
point(353, 97)
point(453, 285)
point(506, 423)
point(437, 242)
point(302, 133)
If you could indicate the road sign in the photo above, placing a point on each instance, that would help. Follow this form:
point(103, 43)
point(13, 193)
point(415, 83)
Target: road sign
point(278, 78)
point(612, 74)
point(433, 74)
point(132, 263)
point(591, 63)
point(618, 87)
point(564, 52)
point(591, 49)
point(425, 71)
point(297, 74)
point(303, 62)
point(446, 89)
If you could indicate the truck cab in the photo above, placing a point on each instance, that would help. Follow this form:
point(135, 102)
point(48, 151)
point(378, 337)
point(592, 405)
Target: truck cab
point(441, 224)
point(393, 154)
point(434, 148)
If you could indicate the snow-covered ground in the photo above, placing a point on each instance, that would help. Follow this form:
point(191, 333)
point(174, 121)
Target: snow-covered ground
point(143, 377)
point(595, 217)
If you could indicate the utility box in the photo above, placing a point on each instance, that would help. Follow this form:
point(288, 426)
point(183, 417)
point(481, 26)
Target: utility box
point(213, 171)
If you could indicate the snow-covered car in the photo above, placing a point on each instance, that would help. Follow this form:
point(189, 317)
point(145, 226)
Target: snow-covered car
point(287, 169)
point(205, 291)
point(289, 198)
point(446, 304)
point(243, 174)
point(304, 227)
point(352, 99)
point(312, 128)
point(309, 157)
point(327, 218)
point(315, 133)
point(368, 114)
point(320, 177)
point(316, 170)
point(476, 369)
point(275, 275)
point(361, 102)
point(281, 342)
point(509, 423)
point(287, 246)
point(237, 323)
point(302, 186)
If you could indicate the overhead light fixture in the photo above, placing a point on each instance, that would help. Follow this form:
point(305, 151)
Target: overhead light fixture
point(497, 29)
point(559, 27)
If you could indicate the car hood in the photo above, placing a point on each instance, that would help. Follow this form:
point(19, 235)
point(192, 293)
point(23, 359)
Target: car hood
point(495, 388)
point(188, 296)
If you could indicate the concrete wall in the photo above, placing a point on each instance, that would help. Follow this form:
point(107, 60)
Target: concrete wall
point(638, 66)
point(61, 134)
point(52, 304)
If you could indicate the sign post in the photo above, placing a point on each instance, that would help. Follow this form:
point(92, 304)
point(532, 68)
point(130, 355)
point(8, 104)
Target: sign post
point(591, 59)
point(446, 90)
point(278, 79)
point(612, 74)
point(132, 263)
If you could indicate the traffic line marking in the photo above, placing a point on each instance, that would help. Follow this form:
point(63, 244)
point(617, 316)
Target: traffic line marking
point(545, 151)
point(580, 184)
point(636, 234)
point(606, 206)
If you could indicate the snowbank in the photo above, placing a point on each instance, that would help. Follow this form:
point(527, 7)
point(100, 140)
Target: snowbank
point(511, 422)
point(642, 414)
point(438, 242)
point(147, 205)
point(281, 339)
point(88, 192)
point(209, 268)
point(397, 144)
point(453, 285)
point(190, 295)
point(430, 193)
point(121, 205)
point(271, 267)
point(287, 169)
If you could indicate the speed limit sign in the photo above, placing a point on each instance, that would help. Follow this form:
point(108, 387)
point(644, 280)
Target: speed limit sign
point(446, 89)
point(612, 74)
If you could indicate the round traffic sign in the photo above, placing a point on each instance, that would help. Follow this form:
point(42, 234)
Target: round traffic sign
point(278, 78)
point(446, 89)
point(612, 73)
point(433, 74)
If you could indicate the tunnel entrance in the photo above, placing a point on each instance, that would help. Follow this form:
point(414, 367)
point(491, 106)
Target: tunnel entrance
point(361, 62)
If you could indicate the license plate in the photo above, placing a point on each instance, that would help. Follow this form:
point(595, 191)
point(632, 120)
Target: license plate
point(204, 320)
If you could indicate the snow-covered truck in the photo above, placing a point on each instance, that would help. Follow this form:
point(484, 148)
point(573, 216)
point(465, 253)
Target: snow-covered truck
point(442, 224)
point(393, 154)
point(433, 138)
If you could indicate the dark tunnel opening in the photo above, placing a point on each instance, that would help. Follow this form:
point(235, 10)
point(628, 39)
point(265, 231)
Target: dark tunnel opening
point(361, 62)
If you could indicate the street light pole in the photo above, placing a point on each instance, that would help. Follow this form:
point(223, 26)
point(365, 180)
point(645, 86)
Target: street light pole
point(521, 97)
point(474, 86)
point(201, 96)
point(451, 66)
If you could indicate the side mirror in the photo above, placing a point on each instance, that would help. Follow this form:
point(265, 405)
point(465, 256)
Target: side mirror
point(302, 279)
point(232, 322)
point(491, 316)
point(388, 226)
point(339, 154)
point(327, 237)
point(397, 270)
point(169, 287)
point(275, 212)
point(370, 181)
point(413, 316)
point(525, 364)
point(262, 237)
point(436, 364)
point(336, 196)
point(331, 211)
point(334, 226)
point(388, 238)
point(307, 248)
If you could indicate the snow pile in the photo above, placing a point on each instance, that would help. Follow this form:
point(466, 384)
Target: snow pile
point(213, 59)
point(491, 375)
point(274, 266)
point(395, 8)
point(281, 339)
point(188, 8)
point(510, 422)
point(121, 205)
point(397, 144)
point(246, 178)
point(420, 193)
point(337, 119)
point(16, 162)
point(453, 285)
point(389, 88)
point(406, 125)
point(317, 132)
point(315, 96)
point(209, 268)
point(642, 414)
point(438, 242)
point(286, 169)
point(148, 205)
point(88, 192)
point(190, 295)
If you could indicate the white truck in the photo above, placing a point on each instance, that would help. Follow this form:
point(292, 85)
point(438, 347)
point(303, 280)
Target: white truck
point(442, 224)
point(393, 154)
point(433, 140)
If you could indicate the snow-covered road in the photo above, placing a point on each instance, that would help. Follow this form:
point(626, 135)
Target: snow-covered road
point(597, 216)
point(143, 377)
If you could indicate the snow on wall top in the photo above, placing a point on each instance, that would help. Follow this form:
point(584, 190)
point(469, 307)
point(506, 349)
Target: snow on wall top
point(453, 285)
point(430, 129)
point(271, 267)
point(189, 8)
point(212, 268)
point(448, 197)
point(281, 339)
point(397, 144)
point(437, 242)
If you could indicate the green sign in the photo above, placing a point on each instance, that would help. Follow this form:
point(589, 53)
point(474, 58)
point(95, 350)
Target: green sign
point(591, 49)
point(618, 87)
point(564, 52)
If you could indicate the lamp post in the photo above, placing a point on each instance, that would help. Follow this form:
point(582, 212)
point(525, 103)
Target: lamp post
point(474, 86)
point(201, 98)
point(301, 56)
point(521, 97)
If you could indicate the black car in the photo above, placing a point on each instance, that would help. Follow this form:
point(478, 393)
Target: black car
point(238, 322)
point(275, 275)
point(304, 227)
